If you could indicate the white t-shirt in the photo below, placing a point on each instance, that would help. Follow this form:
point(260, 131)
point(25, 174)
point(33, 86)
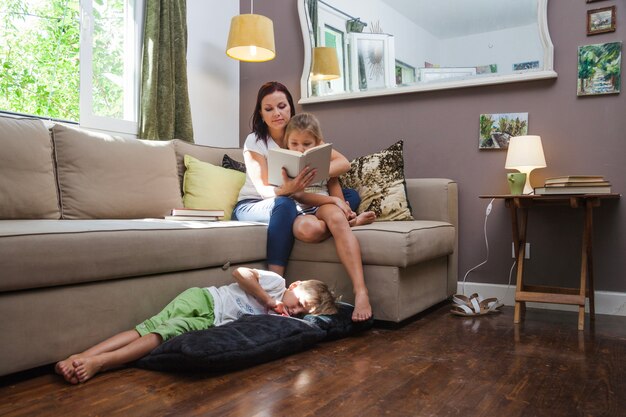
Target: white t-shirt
point(230, 302)
point(249, 191)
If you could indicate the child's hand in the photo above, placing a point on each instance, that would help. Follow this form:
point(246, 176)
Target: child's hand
point(280, 309)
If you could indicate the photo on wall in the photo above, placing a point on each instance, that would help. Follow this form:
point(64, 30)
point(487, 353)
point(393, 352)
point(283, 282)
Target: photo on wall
point(599, 69)
point(498, 128)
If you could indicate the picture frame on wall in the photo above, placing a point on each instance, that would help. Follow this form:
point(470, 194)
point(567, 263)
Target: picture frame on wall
point(599, 69)
point(374, 58)
point(601, 20)
point(497, 129)
point(593, 1)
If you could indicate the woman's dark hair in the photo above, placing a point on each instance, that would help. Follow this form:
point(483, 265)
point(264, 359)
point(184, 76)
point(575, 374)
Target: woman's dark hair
point(258, 126)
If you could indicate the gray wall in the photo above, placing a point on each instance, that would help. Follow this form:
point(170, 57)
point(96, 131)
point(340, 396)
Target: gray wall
point(440, 129)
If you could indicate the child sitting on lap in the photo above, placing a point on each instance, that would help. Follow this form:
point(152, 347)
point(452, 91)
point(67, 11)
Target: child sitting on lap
point(326, 202)
point(254, 292)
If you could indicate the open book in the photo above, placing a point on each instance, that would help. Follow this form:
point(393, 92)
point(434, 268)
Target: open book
point(294, 162)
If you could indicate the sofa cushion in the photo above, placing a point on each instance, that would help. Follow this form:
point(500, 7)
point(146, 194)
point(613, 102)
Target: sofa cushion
point(110, 177)
point(401, 243)
point(379, 180)
point(230, 163)
point(208, 186)
point(36, 253)
point(27, 182)
point(210, 154)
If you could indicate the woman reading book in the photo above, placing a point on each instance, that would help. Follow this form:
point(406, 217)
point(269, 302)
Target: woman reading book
point(262, 202)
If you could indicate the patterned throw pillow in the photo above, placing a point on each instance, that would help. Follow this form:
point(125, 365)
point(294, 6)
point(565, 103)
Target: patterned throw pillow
point(379, 180)
point(230, 163)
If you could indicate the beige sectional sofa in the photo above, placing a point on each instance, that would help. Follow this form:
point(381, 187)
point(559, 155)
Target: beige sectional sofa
point(85, 251)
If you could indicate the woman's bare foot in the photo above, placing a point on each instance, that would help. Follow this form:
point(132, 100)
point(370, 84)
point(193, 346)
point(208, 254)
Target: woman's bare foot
point(66, 369)
point(367, 217)
point(362, 308)
point(86, 368)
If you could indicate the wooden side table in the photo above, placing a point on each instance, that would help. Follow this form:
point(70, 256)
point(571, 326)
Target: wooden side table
point(544, 294)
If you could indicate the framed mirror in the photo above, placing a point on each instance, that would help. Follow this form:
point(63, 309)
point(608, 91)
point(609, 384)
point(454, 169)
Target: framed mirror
point(402, 46)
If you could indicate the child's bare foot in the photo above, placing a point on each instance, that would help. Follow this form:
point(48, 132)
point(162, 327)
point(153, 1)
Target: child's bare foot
point(65, 368)
point(86, 368)
point(362, 308)
point(367, 217)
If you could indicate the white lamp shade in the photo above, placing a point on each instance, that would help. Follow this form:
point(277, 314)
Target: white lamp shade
point(251, 38)
point(525, 153)
point(325, 64)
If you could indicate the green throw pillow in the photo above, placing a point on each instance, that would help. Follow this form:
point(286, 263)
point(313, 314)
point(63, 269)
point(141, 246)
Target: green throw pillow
point(208, 186)
point(379, 180)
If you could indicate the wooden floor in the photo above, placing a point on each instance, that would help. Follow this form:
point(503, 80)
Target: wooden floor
point(438, 365)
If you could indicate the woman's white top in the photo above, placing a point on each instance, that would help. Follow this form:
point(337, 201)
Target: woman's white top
point(249, 191)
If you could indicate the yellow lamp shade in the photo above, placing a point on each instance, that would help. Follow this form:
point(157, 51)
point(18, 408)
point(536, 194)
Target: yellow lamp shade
point(251, 38)
point(325, 64)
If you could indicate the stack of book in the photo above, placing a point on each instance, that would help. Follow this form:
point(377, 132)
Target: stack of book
point(575, 184)
point(195, 214)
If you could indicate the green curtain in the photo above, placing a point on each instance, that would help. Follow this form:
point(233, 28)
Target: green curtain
point(165, 111)
point(313, 16)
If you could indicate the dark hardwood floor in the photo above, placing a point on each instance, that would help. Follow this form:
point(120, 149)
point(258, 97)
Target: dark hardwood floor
point(438, 365)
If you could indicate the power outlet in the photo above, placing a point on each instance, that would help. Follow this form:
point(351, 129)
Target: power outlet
point(526, 252)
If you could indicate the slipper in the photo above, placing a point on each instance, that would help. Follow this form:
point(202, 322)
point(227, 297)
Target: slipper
point(474, 305)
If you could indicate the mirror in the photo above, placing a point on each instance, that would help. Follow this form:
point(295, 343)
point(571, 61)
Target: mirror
point(401, 46)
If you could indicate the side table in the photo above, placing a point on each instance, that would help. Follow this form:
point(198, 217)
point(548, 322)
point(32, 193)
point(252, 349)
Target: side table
point(544, 294)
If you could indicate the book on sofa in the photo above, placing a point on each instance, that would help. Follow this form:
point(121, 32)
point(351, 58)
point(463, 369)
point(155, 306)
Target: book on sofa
point(294, 161)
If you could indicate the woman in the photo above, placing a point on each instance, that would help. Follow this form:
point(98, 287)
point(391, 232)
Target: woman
point(259, 201)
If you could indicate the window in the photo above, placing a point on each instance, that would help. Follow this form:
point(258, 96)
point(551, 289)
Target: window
point(72, 60)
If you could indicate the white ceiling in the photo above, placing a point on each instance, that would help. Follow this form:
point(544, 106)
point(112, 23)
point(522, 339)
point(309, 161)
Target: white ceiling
point(452, 18)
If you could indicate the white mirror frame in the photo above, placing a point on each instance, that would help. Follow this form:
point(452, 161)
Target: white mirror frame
point(547, 72)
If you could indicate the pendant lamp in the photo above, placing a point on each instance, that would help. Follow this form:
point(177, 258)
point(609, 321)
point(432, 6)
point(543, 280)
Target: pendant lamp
point(325, 64)
point(251, 38)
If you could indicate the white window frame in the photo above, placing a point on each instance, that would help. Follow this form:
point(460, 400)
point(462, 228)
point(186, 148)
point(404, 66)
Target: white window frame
point(132, 66)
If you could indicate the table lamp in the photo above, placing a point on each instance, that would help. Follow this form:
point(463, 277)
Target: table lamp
point(525, 153)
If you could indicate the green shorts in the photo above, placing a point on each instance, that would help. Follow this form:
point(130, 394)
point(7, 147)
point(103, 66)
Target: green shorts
point(190, 310)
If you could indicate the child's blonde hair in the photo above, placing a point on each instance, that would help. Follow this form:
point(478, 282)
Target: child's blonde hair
point(318, 295)
point(305, 122)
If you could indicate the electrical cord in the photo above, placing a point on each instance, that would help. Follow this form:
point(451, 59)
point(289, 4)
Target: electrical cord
point(487, 211)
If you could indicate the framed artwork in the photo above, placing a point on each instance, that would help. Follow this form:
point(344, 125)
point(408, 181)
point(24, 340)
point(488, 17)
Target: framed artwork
point(601, 20)
point(593, 1)
point(599, 69)
point(524, 66)
point(373, 58)
point(498, 128)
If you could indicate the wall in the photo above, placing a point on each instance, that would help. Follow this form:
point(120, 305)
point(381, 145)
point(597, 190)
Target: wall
point(440, 132)
point(213, 77)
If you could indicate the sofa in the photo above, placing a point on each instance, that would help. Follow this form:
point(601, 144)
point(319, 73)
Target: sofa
point(85, 251)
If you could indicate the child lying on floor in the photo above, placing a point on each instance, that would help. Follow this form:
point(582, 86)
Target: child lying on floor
point(254, 292)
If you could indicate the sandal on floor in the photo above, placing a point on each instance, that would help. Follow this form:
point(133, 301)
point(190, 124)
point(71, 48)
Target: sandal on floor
point(474, 305)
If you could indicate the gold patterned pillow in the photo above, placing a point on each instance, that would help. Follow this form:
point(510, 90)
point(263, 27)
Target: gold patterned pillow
point(379, 180)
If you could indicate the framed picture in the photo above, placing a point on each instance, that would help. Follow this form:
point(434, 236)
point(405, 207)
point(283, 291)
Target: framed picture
point(599, 69)
point(525, 66)
point(497, 129)
point(601, 20)
point(593, 1)
point(373, 61)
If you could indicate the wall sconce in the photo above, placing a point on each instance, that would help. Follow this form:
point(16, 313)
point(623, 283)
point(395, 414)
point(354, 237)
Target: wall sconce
point(525, 153)
point(251, 38)
point(325, 64)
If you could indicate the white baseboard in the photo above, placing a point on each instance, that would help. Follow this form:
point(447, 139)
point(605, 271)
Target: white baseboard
point(612, 303)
